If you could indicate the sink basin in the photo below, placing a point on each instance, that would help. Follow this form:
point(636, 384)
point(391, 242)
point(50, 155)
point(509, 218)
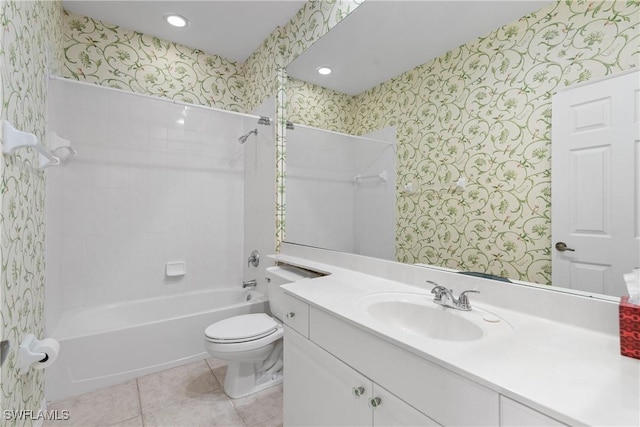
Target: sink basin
point(417, 315)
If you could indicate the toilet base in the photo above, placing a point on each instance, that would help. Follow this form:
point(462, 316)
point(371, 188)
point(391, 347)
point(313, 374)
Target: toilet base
point(242, 379)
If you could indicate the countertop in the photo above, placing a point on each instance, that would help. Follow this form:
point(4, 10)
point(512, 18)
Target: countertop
point(569, 373)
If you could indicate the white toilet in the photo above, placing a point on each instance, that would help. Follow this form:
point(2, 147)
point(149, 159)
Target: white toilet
point(252, 343)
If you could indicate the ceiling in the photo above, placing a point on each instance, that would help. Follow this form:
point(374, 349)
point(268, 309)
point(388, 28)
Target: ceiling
point(231, 29)
point(383, 39)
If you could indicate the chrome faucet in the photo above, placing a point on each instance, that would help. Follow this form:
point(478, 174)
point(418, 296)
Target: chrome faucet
point(250, 283)
point(444, 297)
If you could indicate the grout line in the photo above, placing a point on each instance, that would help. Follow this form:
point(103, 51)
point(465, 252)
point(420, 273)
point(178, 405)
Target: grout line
point(140, 403)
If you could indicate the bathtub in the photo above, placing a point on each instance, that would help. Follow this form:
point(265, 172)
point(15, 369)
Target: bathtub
point(106, 345)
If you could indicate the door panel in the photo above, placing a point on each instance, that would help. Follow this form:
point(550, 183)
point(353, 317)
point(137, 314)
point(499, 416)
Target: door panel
point(595, 184)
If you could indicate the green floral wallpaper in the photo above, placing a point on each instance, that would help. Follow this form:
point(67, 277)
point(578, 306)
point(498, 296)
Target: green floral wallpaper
point(483, 112)
point(108, 55)
point(31, 47)
point(319, 107)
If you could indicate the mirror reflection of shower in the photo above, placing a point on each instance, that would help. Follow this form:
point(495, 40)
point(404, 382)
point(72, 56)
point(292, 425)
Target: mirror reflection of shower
point(246, 136)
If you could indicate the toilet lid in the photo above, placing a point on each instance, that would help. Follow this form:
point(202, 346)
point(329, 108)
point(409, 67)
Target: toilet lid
point(242, 328)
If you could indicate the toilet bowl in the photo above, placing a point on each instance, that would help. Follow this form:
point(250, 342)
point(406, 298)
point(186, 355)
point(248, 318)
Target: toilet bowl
point(251, 344)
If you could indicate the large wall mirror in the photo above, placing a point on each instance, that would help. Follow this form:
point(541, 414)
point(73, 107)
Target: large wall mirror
point(462, 92)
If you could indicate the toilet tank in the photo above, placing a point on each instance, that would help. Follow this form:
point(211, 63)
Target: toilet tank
point(281, 275)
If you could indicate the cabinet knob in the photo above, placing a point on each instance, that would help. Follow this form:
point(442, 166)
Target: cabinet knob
point(358, 391)
point(375, 402)
point(291, 315)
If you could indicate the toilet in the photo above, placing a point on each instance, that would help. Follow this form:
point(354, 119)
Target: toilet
point(252, 343)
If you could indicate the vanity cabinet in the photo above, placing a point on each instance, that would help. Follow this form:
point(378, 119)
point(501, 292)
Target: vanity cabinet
point(335, 372)
point(321, 390)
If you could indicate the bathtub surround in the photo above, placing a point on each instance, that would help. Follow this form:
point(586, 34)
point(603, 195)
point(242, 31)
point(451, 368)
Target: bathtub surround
point(154, 182)
point(483, 111)
point(31, 49)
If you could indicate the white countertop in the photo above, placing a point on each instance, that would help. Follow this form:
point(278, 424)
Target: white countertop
point(567, 372)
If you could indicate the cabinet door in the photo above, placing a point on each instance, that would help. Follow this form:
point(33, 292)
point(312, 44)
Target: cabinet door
point(393, 412)
point(319, 389)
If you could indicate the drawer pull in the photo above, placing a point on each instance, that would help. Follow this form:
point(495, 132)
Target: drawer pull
point(375, 402)
point(358, 391)
point(291, 315)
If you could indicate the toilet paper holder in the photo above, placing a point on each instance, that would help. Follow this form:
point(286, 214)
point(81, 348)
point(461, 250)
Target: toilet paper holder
point(29, 353)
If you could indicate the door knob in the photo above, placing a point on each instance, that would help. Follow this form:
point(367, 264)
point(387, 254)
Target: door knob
point(562, 246)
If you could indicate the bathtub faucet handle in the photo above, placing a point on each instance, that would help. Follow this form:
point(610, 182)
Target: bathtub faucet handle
point(254, 259)
point(250, 284)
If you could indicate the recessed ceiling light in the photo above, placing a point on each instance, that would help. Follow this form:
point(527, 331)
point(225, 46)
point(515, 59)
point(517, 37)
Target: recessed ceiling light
point(324, 70)
point(176, 20)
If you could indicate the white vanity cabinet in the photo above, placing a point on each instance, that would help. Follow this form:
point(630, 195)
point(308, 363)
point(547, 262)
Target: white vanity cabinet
point(321, 390)
point(336, 372)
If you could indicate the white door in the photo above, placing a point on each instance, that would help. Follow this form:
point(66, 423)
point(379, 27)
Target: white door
point(595, 184)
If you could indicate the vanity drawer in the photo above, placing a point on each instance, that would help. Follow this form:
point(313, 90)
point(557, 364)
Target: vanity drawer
point(296, 315)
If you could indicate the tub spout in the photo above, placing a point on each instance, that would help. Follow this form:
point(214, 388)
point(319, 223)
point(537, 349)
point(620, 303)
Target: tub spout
point(250, 284)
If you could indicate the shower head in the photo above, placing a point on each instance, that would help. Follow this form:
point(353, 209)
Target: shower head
point(244, 137)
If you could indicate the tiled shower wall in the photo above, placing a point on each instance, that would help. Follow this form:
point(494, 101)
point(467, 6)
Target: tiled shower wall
point(153, 182)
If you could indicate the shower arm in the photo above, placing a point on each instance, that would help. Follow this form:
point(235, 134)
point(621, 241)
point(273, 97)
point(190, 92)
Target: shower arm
point(244, 137)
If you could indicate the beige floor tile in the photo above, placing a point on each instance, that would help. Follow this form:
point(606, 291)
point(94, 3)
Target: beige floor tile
point(199, 411)
point(133, 422)
point(264, 407)
point(276, 422)
point(177, 384)
point(103, 407)
point(215, 363)
point(220, 373)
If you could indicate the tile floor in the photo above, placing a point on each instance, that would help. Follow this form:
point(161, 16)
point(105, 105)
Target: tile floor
point(189, 395)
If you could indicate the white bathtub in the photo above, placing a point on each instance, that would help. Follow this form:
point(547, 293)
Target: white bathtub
point(106, 345)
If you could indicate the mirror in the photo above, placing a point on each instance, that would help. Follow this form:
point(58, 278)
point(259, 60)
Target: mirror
point(342, 190)
point(478, 116)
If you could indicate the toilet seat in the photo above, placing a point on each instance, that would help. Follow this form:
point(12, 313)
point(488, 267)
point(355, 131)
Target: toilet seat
point(240, 329)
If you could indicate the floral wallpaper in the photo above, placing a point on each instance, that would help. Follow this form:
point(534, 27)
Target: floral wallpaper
point(97, 52)
point(483, 112)
point(31, 47)
point(319, 107)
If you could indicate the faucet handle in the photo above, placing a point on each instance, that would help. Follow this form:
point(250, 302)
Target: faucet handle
point(438, 290)
point(463, 299)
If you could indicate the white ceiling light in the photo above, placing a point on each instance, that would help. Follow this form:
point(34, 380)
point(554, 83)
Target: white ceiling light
point(324, 70)
point(176, 20)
